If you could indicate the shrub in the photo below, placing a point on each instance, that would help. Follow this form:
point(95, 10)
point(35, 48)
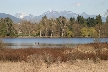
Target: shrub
point(51, 55)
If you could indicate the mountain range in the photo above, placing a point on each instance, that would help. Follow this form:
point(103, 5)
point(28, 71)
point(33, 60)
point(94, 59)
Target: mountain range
point(15, 19)
point(50, 14)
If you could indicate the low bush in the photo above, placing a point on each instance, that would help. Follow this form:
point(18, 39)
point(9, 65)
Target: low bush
point(51, 55)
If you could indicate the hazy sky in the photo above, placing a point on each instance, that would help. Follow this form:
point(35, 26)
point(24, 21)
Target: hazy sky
point(37, 7)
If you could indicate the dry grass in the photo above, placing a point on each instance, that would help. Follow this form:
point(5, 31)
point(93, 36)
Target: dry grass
point(77, 66)
point(45, 59)
point(91, 51)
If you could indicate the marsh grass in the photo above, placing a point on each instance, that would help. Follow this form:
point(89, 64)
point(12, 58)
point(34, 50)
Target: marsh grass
point(49, 56)
point(33, 59)
point(2, 45)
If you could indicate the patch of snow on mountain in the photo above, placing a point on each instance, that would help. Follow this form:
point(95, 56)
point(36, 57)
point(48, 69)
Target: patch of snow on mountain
point(21, 15)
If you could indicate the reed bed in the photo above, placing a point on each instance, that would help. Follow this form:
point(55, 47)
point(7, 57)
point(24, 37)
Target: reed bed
point(90, 51)
point(52, 59)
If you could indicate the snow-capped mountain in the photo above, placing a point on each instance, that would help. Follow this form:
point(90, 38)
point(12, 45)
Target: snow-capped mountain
point(68, 14)
point(24, 15)
point(56, 14)
point(20, 15)
point(50, 14)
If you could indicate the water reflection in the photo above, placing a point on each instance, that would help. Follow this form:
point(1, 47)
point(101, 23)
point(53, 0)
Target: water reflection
point(11, 45)
point(47, 42)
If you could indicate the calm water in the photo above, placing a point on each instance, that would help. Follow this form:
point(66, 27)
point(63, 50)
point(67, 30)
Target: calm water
point(47, 42)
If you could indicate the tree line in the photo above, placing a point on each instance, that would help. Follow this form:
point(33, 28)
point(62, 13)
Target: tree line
point(55, 27)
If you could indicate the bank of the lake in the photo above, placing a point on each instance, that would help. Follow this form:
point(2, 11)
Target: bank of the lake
point(49, 42)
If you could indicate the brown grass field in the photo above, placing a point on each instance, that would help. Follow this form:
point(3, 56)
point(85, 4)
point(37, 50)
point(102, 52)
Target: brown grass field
point(91, 57)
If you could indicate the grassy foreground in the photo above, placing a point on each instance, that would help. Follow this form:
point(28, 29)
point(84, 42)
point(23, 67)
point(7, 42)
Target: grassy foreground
point(86, 57)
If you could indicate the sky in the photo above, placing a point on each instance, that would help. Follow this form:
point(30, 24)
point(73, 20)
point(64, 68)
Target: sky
point(38, 7)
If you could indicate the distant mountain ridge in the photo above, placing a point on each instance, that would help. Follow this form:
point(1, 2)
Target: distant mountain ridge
point(50, 14)
point(3, 15)
point(55, 14)
point(23, 15)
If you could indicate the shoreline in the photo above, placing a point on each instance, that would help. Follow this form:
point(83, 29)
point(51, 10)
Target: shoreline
point(49, 37)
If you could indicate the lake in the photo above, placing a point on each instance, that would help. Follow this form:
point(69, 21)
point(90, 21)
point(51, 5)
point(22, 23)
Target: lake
point(47, 42)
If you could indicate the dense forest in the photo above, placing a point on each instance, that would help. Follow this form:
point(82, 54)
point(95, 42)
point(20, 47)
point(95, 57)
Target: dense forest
point(55, 27)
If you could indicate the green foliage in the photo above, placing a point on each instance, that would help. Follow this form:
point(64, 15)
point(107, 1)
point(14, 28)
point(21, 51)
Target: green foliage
point(89, 32)
point(91, 22)
point(85, 32)
point(72, 21)
point(107, 19)
point(98, 19)
point(69, 33)
point(82, 21)
point(93, 32)
point(6, 27)
point(55, 27)
point(85, 22)
point(2, 28)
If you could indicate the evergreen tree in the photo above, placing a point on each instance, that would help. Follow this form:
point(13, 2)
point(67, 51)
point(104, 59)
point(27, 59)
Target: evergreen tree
point(3, 29)
point(91, 22)
point(98, 19)
point(9, 27)
point(107, 19)
point(72, 20)
point(81, 21)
